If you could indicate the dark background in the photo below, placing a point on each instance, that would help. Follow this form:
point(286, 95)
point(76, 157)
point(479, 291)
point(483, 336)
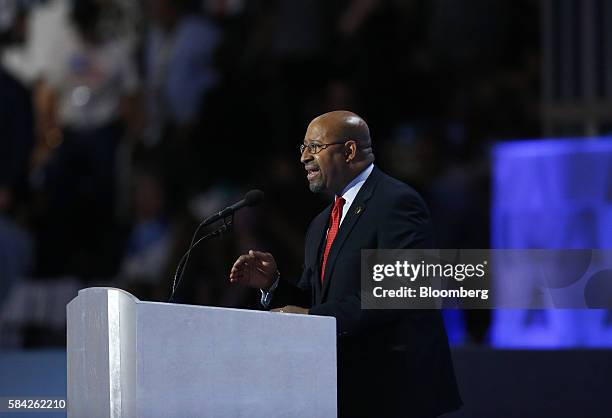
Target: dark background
point(93, 198)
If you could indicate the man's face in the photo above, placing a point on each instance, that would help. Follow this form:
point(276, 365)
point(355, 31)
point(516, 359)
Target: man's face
point(324, 169)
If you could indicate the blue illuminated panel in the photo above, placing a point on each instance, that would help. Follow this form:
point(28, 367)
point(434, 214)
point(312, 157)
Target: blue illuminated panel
point(553, 193)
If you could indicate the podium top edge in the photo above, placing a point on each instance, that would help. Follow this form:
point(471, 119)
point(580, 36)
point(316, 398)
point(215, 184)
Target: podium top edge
point(186, 305)
point(106, 290)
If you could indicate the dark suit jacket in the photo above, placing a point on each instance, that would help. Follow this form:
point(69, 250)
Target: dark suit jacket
point(390, 362)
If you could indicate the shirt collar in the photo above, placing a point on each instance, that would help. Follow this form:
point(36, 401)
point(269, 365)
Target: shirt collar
point(350, 191)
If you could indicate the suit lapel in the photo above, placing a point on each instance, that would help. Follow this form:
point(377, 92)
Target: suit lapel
point(358, 207)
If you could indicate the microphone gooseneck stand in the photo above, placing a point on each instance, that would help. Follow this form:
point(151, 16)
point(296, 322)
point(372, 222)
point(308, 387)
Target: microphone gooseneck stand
point(228, 222)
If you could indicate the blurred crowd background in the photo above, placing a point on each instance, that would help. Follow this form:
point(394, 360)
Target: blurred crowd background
point(124, 123)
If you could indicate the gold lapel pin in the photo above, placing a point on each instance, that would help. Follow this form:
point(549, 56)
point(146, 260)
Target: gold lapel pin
point(358, 210)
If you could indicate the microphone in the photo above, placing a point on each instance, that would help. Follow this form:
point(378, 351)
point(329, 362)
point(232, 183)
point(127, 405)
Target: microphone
point(252, 198)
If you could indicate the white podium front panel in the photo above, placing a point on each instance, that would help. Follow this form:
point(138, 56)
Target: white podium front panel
point(128, 358)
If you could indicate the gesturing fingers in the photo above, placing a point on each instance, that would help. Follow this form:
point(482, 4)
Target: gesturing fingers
point(252, 267)
point(240, 267)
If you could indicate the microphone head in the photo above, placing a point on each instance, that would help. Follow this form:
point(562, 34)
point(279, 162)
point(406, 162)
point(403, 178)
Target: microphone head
point(253, 197)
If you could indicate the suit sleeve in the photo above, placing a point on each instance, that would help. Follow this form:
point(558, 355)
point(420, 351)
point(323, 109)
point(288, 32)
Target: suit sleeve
point(404, 224)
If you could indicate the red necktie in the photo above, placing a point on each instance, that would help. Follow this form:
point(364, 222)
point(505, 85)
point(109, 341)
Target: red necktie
point(334, 224)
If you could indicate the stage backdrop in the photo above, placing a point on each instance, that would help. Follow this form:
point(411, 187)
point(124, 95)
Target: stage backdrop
point(554, 193)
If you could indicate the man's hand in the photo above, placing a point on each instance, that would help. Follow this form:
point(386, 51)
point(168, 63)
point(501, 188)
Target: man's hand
point(291, 309)
point(255, 269)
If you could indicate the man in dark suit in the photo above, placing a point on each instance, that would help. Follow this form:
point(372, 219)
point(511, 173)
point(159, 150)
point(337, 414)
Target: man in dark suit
point(391, 363)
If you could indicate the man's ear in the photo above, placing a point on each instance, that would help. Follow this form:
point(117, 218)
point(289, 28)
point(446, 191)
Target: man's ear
point(350, 150)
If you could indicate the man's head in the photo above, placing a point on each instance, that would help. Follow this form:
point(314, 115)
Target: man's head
point(337, 147)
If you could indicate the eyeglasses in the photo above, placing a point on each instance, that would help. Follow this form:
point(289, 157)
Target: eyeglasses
point(317, 148)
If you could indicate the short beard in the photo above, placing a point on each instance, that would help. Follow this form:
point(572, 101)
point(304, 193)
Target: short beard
point(316, 187)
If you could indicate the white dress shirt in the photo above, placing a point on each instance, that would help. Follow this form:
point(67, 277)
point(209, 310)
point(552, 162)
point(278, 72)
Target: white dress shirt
point(350, 191)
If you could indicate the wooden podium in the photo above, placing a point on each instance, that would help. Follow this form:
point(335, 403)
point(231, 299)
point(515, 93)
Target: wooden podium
point(133, 359)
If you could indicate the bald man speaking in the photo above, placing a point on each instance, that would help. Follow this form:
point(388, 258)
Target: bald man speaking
point(391, 363)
